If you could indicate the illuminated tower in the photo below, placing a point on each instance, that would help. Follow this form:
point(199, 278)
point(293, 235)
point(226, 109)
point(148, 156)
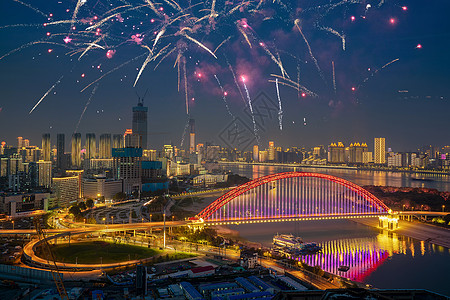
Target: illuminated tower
point(117, 141)
point(105, 146)
point(46, 147)
point(19, 143)
point(192, 136)
point(91, 146)
point(271, 156)
point(255, 153)
point(60, 148)
point(139, 124)
point(380, 151)
point(76, 150)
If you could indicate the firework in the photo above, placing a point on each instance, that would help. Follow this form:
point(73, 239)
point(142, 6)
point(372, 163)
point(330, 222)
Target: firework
point(280, 109)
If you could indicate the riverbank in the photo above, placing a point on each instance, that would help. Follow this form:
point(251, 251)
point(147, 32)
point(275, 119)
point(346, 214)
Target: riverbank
point(419, 231)
point(338, 167)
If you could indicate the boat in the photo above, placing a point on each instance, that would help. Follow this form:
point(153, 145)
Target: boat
point(289, 241)
point(421, 179)
point(343, 268)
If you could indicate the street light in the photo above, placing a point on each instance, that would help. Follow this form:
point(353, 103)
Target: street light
point(104, 220)
point(13, 224)
point(112, 219)
point(443, 208)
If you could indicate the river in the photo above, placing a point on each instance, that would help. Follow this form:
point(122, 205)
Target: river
point(380, 258)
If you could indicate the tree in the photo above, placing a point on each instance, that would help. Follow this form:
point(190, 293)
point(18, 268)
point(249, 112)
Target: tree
point(120, 196)
point(75, 210)
point(82, 205)
point(90, 203)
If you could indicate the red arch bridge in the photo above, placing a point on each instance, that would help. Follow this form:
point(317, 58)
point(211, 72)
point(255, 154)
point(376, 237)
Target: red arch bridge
point(295, 196)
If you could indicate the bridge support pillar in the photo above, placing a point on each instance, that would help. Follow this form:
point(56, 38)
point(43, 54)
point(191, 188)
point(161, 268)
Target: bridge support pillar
point(388, 222)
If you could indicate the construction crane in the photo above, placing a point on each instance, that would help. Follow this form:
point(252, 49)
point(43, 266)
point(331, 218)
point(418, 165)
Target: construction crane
point(49, 256)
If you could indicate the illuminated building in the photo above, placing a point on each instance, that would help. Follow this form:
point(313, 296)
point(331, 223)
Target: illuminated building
point(139, 123)
point(271, 156)
point(30, 154)
point(263, 155)
point(149, 155)
point(2, 147)
point(91, 146)
point(357, 152)
point(26, 143)
point(46, 147)
point(168, 151)
point(336, 153)
point(60, 146)
point(105, 146)
point(44, 169)
point(132, 140)
point(191, 136)
point(212, 153)
point(19, 143)
point(255, 153)
point(66, 190)
point(380, 151)
point(367, 157)
point(100, 164)
point(117, 141)
point(127, 167)
point(101, 186)
point(76, 150)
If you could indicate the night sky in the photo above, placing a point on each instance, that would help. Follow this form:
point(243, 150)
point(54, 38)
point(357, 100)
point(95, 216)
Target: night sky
point(407, 101)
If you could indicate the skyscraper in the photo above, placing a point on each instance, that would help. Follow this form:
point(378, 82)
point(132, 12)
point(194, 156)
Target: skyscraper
point(192, 136)
point(46, 147)
point(60, 148)
point(105, 146)
point(19, 143)
point(76, 150)
point(44, 169)
point(380, 151)
point(117, 141)
point(139, 125)
point(271, 156)
point(255, 153)
point(91, 146)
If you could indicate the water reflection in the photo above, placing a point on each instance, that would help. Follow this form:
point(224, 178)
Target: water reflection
point(365, 255)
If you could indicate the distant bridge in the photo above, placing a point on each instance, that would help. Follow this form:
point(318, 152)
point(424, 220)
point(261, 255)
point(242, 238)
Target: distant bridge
point(293, 196)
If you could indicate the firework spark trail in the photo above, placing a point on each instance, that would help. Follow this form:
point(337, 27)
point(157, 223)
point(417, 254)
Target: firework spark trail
point(147, 60)
point(200, 44)
point(184, 131)
point(46, 93)
point(21, 25)
point(245, 36)
point(298, 79)
point(164, 57)
point(235, 80)
point(255, 130)
point(293, 84)
point(377, 70)
point(32, 8)
point(309, 48)
point(185, 84)
point(280, 109)
point(220, 45)
point(80, 3)
point(224, 96)
point(152, 6)
point(31, 44)
point(110, 71)
point(86, 106)
point(90, 47)
point(334, 77)
point(158, 36)
point(341, 36)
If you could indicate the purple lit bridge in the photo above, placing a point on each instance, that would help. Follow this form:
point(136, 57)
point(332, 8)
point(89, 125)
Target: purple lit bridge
point(293, 196)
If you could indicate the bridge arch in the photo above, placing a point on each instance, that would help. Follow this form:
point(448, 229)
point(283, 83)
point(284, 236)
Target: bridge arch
point(294, 195)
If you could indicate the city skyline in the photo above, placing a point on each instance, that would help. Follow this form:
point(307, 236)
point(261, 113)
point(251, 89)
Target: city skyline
point(407, 107)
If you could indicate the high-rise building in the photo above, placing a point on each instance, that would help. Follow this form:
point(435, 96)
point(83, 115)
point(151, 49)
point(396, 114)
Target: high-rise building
point(105, 146)
point(60, 148)
point(271, 156)
point(336, 153)
point(139, 124)
point(168, 151)
point(91, 146)
point(76, 150)
point(127, 167)
point(44, 169)
point(357, 153)
point(19, 143)
point(256, 153)
point(117, 141)
point(380, 151)
point(132, 140)
point(367, 157)
point(26, 143)
point(46, 147)
point(191, 136)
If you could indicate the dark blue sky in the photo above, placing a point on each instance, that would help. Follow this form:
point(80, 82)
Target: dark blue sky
point(376, 108)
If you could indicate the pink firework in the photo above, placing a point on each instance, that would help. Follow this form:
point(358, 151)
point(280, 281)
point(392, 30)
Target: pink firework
point(67, 39)
point(137, 38)
point(110, 53)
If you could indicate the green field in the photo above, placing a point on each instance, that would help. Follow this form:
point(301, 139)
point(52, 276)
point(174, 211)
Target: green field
point(90, 252)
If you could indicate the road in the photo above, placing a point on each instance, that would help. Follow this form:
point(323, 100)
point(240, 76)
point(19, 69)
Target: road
point(420, 231)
